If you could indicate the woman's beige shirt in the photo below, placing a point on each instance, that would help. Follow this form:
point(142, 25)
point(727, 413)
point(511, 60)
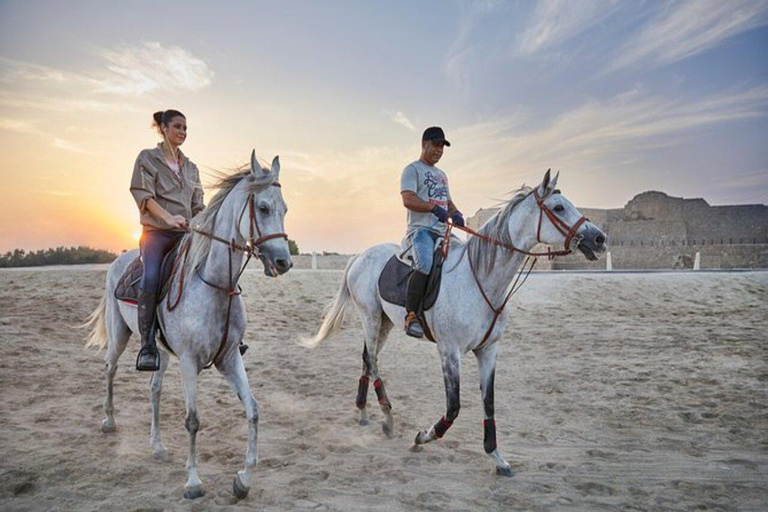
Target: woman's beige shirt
point(178, 195)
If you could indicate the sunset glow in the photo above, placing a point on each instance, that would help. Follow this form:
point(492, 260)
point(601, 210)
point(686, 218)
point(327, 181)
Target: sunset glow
point(327, 87)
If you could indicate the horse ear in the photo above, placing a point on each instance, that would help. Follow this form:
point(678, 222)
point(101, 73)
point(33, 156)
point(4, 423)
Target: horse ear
point(254, 163)
point(276, 167)
point(544, 188)
point(553, 183)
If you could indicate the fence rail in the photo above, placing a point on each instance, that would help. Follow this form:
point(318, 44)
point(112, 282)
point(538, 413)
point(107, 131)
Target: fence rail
point(686, 242)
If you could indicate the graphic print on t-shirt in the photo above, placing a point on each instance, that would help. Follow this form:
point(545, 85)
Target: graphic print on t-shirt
point(437, 188)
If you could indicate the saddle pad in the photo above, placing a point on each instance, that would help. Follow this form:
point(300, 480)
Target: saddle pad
point(393, 281)
point(127, 288)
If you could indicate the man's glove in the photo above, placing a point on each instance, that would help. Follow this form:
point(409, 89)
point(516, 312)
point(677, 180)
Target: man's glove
point(441, 213)
point(458, 219)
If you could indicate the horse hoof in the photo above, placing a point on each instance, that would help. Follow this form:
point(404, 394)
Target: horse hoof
point(239, 489)
point(160, 454)
point(504, 471)
point(420, 437)
point(108, 426)
point(195, 492)
point(387, 429)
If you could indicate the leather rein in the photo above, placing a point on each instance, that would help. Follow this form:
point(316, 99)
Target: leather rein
point(569, 232)
point(251, 248)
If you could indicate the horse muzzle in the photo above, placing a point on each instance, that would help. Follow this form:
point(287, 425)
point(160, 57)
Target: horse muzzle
point(592, 243)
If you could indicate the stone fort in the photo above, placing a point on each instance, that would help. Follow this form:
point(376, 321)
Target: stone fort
point(657, 231)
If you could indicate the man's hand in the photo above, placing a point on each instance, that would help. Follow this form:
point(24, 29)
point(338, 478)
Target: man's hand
point(441, 213)
point(458, 219)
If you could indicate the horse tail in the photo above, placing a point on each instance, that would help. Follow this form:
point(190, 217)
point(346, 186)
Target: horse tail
point(333, 316)
point(97, 323)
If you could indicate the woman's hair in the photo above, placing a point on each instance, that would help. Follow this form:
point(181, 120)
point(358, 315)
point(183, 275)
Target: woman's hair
point(164, 117)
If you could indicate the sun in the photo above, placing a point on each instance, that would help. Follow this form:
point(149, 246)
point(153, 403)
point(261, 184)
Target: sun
point(136, 236)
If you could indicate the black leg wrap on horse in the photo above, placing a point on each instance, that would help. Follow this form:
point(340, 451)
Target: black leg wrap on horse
point(442, 426)
point(489, 436)
point(381, 393)
point(362, 392)
point(417, 285)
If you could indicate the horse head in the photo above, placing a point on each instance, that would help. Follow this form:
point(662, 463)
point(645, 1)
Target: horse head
point(558, 221)
point(262, 219)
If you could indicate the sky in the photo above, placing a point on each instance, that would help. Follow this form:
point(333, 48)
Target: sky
point(619, 97)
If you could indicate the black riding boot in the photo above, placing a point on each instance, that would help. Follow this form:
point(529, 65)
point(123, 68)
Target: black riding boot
point(417, 284)
point(148, 359)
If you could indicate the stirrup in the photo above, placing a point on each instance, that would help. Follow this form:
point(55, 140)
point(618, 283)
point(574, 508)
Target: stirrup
point(148, 359)
point(413, 326)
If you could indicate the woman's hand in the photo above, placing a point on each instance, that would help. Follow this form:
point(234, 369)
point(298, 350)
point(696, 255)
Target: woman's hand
point(177, 221)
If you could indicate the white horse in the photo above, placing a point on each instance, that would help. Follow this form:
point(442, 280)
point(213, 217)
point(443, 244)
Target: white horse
point(476, 279)
point(208, 322)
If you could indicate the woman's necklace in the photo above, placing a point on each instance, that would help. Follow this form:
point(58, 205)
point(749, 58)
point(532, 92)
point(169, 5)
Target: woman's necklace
point(171, 155)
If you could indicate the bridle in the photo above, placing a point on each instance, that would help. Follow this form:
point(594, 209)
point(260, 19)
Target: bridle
point(250, 248)
point(255, 238)
point(569, 232)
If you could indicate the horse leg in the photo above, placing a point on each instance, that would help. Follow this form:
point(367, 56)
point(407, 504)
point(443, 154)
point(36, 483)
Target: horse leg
point(451, 376)
point(194, 487)
point(155, 387)
point(362, 387)
point(372, 325)
point(118, 334)
point(362, 390)
point(486, 364)
point(233, 370)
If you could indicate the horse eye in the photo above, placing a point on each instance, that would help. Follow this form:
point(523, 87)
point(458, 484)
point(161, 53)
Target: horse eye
point(559, 208)
point(264, 209)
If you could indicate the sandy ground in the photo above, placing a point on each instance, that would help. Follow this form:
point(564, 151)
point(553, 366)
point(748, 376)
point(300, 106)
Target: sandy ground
point(613, 392)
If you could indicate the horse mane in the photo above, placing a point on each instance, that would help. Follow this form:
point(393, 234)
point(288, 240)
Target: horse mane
point(484, 254)
point(206, 220)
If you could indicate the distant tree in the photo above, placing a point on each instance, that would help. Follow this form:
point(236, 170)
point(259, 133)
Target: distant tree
point(292, 247)
point(57, 256)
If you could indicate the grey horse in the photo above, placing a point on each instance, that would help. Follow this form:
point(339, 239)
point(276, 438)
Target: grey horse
point(477, 277)
point(245, 216)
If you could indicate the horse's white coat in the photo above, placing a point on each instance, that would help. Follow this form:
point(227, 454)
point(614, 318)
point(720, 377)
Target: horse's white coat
point(194, 329)
point(460, 317)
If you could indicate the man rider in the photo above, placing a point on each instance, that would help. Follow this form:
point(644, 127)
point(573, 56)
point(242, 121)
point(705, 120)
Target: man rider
point(424, 189)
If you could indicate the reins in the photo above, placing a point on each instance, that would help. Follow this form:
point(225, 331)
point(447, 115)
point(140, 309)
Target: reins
point(250, 249)
point(568, 231)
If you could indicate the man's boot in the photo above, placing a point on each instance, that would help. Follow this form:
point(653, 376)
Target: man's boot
point(148, 359)
point(417, 284)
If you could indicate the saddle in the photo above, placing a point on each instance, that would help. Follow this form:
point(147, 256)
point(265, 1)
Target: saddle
point(127, 289)
point(393, 284)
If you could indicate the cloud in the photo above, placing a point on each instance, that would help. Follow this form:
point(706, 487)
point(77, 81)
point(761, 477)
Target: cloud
point(555, 21)
point(20, 126)
point(688, 28)
point(53, 102)
point(57, 193)
point(598, 134)
point(134, 70)
point(400, 118)
point(13, 71)
point(129, 71)
point(68, 146)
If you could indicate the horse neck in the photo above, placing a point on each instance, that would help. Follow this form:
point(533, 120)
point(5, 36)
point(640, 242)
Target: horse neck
point(216, 268)
point(496, 280)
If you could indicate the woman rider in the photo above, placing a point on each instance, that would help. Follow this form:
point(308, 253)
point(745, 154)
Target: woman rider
point(166, 187)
